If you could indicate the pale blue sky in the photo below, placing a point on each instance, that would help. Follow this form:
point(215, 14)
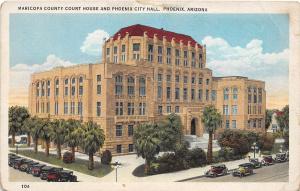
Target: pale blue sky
point(252, 45)
point(34, 36)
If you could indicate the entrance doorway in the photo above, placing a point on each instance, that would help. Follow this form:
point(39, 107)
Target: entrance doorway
point(193, 127)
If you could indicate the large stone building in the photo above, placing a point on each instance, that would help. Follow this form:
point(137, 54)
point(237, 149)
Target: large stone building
point(145, 74)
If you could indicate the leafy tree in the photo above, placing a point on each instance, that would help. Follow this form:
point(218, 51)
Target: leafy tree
point(93, 139)
point(268, 121)
point(147, 140)
point(45, 133)
point(17, 116)
point(171, 132)
point(211, 119)
point(286, 140)
point(282, 118)
point(58, 134)
point(36, 127)
point(74, 134)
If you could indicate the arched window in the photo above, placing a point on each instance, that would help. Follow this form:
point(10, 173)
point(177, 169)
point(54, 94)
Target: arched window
point(142, 89)
point(226, 93)
point(48, 88)
point(235, 93)
point(38, 89)
point(43, 88)
point(73, 87)
point(80, 85)
point(130, 87)
point(118, 85)
point(66, 87)
point(80, 79)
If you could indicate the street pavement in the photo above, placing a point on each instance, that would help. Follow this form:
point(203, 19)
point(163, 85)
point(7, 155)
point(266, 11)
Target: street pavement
point(279, 172)
point(18, 176)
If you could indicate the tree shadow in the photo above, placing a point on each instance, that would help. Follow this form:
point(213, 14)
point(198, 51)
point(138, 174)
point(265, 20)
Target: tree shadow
point(139, 171)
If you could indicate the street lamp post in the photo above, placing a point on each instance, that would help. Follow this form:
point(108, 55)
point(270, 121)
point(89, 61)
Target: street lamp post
point(254, 148)
point(116, 165)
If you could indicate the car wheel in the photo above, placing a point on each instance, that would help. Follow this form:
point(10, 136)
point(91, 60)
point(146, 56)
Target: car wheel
point(215, 175)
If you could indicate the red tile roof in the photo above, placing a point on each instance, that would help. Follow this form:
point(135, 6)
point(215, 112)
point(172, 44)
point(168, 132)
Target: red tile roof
point(138, 30)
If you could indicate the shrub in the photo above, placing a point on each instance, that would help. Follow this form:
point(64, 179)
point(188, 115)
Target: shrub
point(106, 157)
point(226, 153)
point(196, 157)
point(268, 142)
point(286, 140)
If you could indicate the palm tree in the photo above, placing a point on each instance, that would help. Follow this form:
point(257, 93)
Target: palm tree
point(93, 139)
point(17, 115)
point(45, 133)
point(36, 127)
point(74, 134)
point(58, 134)
point(28, 127)
point(211, 119)
point(146, 139)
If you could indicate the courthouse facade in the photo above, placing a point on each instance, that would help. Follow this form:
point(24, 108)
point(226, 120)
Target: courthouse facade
point(146, 73)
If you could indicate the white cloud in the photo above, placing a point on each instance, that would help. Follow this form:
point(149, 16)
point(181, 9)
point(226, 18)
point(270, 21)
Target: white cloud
point(93, 42)
point(252, 62)
point(20, 74)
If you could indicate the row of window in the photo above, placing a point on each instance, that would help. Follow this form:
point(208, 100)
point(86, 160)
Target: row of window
point(119, 109)
point(233, 124)
point(255, 109)
point(131, 86)
point(255, 123)
point(253, 99)
point(119, 148)
point(185, 94)
point(234, 110)
point(234, 93)
point(120, 130)
point(168, 109)
point(150, 56)
point(185, 79)
point(43, 107)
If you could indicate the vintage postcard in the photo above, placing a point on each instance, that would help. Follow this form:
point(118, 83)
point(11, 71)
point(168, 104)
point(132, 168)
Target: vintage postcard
point(155, 95)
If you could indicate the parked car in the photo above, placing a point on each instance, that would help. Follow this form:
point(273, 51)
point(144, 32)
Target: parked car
point(68, 157)
point(12, 159)
point(47, 169)
point(255, 162)
point(36, 169)
point(217, 170)
point(24, 165)
point(61, 176)
point(243, 170)
point(267, 160)
point(281, 157)
point(18, 162)
point(67, 176)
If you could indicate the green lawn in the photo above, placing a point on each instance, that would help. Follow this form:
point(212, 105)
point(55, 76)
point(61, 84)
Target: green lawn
point(79, 165)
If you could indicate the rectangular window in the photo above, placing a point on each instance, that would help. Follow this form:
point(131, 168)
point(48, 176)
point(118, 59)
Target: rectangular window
point(159, 92)
point(98, 108)
point(193, 60)
point(72, 107)
point(177, 109)
point(159, 54)
point(65, 107)
point(142, 108)
point(177, 57)
point(168, 92)
point(185, 93)
point(168, 55)
point(119, 130)
point(130, 108)
point(119, 108)
point(160, 109)
point(225, 110)
point(169, 109)
point(200, 92)
point(119, 148)
point(177, 79)
point(79, 108)
point(207, 95)
point(123, 55)
point(249, 98)
point(130, 148)
point(177, 93)
point(254, 123)
point(136, 51)
point(73, 90)
point(200, 61)
point(233, 124)
point(185, 79)
point(226, 93)
point(235, 93)
point(207, 81)
point(168, 78)
point(56, 108)
point(227, 124)
point(213, 95)
point(192, 94)
point(115, 54)
point(98, 78)
point(98, 89)
point(234, 109)
point(130, 90)
point(80, 90)
point(193, 80)
point(119, 89)
point(200, 80)
point(159, 77)
point(150, 53)
point(130, 130)
point(185, 58)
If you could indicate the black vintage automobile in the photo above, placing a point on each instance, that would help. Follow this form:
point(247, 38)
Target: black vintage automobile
point(255, 162)
point(281, 157)
point(243, 170)
point(36, 169)
point(11, 159)
point(30, 165)
point(23, 166)
point(62, 176)
point(18, 162)
point(47, 169)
